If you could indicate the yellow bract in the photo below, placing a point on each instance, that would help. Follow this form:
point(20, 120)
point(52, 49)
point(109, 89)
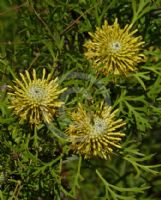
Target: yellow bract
point(34, 99)
point(95, 133)
point(113, 50)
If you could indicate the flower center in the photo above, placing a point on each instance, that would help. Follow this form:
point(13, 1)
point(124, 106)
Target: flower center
point(37, 93)
point(99, 126)
point(115, 46)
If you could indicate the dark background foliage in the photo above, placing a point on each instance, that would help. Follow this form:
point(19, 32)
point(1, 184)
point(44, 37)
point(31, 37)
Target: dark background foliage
point(50, 34)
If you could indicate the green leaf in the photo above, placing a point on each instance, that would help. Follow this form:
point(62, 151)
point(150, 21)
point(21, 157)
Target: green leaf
point(114, 190)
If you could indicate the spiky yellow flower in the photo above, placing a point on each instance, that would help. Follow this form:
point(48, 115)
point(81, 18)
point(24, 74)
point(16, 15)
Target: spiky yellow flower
point(113, 50)
point(95, 133)
point(34, 99)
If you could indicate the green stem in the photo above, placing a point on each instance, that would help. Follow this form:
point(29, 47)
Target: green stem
point(35, 137)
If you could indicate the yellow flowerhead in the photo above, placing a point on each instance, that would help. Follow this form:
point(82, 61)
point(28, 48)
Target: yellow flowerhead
point(95, 133)
point(34, 99)
point(113, 50)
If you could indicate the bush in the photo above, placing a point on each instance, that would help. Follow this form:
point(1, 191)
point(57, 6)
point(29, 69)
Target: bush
point(80, 96)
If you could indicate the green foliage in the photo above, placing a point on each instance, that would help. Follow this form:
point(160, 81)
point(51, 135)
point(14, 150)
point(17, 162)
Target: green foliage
point(112, 190)
point(37, 164)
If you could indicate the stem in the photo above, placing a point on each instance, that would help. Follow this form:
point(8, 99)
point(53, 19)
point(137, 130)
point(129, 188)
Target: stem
point(35, 137)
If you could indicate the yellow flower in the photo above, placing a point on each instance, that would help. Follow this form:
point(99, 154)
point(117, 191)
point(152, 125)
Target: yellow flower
point(95, 133)
point(113, 50)
point(34, 99)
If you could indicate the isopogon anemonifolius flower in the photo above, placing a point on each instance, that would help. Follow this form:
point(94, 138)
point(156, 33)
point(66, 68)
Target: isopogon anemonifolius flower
point(113, 50)
point(95, 133)
point(34, 99)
